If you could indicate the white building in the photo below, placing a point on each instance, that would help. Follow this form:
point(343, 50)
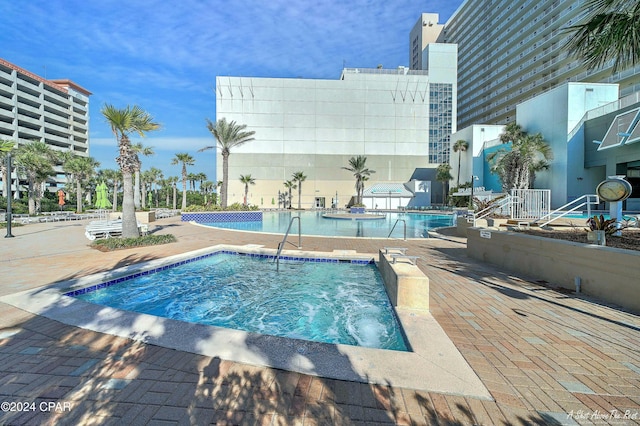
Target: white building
point(512, 51)
point(399, 119)
point(53, 111)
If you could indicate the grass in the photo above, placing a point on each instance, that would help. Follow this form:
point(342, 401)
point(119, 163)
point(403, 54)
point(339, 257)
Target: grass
point(13, 224)
point(110, 244)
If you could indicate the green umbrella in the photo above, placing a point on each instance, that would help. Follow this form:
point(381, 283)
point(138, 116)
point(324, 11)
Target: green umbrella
point(102, 198)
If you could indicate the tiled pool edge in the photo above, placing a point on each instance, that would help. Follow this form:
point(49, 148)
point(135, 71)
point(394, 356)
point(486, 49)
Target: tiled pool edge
point(149, 271)
point(435, 365)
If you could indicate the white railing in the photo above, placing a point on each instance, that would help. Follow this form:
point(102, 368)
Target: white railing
point(530, 204)
point(587, 201)
point(504, 203)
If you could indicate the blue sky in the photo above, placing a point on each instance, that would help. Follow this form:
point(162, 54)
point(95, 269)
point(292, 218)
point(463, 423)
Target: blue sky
point(165, 55)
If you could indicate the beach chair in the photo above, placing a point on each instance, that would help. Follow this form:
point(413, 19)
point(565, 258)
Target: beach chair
point(103, 229)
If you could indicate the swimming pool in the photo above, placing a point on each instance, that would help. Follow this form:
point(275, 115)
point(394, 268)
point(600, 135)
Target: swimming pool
point(321, 300)
point(313, 223)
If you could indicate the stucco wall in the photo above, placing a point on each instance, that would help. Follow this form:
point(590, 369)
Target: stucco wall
point(606, 273)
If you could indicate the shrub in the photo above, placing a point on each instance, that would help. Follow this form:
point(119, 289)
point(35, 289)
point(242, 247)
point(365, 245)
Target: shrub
point(110, 244)
point(599, 223)
point(216, 208)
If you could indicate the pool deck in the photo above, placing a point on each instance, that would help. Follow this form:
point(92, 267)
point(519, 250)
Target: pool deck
point(546, 357)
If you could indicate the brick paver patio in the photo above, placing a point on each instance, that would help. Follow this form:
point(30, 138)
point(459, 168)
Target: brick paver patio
point(547, 357)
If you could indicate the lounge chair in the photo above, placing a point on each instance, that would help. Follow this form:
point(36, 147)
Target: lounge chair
point(103, 229)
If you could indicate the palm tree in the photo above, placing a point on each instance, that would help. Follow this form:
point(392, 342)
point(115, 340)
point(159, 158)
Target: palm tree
point(192, 178)
point(247, 180)
point(155, 176)
point(207, 188)
point(139, 150)
point(228, 135)
point(186, 160)
point(610, 32)
point(123, 122)
point(443, 174)
point(460, 146)
point(173, 180)
point(113, 177)
point(145, 187)
point(290, 185)
point(36, 159)
point(200, 177)
point(517, 166)
point(81, 169)
point(358, 166)
point(5, 147)
point(299, 177)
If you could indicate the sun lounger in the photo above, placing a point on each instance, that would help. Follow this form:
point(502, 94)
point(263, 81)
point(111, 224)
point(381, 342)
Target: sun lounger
point(103, 229)
point(110, 228)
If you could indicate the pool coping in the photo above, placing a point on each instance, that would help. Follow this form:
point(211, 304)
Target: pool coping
point(434, 364)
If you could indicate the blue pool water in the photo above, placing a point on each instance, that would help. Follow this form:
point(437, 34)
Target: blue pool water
point(313, 223)
point(324, 302)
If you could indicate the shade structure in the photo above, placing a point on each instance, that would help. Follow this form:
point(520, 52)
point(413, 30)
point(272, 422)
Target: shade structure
point(102, 197)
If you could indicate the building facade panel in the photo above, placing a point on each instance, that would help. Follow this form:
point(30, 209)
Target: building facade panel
point(316, 126)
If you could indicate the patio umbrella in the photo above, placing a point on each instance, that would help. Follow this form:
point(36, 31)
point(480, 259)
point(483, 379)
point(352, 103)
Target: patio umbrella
point(102, 198)
point(61, 198)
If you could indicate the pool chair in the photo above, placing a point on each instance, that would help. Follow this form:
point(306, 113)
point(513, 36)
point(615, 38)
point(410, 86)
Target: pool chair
point(103, 229)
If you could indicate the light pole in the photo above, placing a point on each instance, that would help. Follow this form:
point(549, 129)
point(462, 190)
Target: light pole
point(9, 197)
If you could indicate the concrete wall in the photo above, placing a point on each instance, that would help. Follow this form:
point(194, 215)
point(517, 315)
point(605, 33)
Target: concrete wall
point(606, 273)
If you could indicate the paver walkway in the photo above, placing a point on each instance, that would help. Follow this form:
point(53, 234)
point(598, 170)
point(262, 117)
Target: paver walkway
point(547, 357)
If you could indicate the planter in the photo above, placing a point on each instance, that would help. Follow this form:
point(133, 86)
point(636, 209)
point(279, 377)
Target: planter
point(356, 210)
point(597, 237)
point(222, 216)
point(608, 273)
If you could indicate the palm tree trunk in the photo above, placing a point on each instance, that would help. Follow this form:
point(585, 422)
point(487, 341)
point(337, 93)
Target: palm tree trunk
point(175, 196)
point(225, 180)
point(129, 222)
point(136, 193)
point(5, 180)
point(184, 192)
point(458, 179)
point(115, 196)
point(299, 195)
point(78, 197)
point(32, 197)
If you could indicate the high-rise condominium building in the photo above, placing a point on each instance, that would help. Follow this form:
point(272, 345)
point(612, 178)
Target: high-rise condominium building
point(510, 51)
point(53, 111)
point(399, 119)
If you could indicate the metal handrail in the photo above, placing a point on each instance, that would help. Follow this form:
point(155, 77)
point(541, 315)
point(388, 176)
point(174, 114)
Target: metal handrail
point(509, 199)
point(284, 240)
point(394, 227)
point(590, 199)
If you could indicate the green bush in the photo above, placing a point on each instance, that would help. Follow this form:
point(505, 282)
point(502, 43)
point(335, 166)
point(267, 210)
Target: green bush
point(109, 244)
point(216, 208)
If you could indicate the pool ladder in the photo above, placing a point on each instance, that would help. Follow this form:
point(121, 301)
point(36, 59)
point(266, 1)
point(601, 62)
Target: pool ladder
point(394, 227)
point(284, 240)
